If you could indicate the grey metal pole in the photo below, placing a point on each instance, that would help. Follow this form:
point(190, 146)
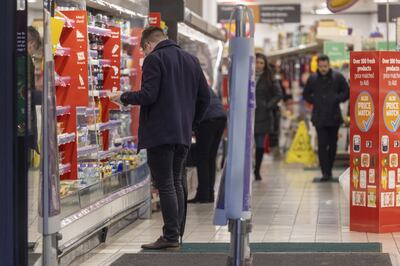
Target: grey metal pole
point(387, 24)
point(240, 228)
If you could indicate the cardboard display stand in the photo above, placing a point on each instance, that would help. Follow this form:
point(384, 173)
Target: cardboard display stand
point(375, 145)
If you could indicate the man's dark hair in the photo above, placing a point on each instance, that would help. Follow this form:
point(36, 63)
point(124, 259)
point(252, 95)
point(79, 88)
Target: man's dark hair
point(323, 57)
point(34, 36)
point(151, 34)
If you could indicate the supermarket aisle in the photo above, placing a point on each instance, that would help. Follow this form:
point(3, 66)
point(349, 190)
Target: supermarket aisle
point(288, 207)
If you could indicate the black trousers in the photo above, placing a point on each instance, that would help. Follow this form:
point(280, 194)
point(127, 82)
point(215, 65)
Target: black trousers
point(208, 137)
point(274, 135)
point(166, 166)
point(327, 146)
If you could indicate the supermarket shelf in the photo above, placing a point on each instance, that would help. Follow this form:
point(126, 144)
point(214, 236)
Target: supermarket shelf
point(63, 81)
point(114, 123)
point(99, 31)
point(105, 126)
point(87, 150)
point(63, 51)
point(105, 62)
point(68, 23)
point(107, 154)
point(65, 138)
point(349, 39)
point(64, 168)
point(63, 110)
point(128, 72)
point(295, 50)
point(93, 53)
point(126, 39)
point(94, 62)
point(123, 140)
point(101, 94)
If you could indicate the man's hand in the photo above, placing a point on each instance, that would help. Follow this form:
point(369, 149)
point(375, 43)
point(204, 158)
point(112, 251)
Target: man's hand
point(116, 97)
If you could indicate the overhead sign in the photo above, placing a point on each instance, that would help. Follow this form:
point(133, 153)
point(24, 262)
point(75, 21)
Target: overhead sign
point(394, 12)
point(272, 14)
point(339, 5)
point(280, 14)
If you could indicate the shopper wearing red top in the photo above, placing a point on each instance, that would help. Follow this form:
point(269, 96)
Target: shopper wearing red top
point(173, 99)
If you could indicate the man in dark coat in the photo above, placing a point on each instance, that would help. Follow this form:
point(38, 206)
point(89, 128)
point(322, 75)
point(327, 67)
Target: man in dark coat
point(326, 89)
point(173, 99)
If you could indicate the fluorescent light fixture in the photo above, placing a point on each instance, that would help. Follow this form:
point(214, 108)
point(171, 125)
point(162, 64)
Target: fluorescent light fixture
point(322, 10)
point(385, 1)
point(32, 1)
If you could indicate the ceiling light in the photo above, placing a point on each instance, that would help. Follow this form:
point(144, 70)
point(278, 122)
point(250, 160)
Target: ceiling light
point(321, 9)
point(32, 1)
point(385, 1)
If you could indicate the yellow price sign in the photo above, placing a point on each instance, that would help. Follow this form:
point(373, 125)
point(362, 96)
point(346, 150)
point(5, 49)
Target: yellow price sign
point(339, 5)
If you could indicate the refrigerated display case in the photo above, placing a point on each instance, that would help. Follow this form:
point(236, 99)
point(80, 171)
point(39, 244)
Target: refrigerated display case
point(104, 180)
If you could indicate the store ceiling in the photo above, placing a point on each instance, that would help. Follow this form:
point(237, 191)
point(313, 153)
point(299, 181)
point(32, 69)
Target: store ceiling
point(308, 6)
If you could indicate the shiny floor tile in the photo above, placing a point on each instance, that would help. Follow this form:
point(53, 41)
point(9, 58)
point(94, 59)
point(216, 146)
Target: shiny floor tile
point(287, 207)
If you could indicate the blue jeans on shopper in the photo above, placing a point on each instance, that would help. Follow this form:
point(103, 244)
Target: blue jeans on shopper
point(166, 166)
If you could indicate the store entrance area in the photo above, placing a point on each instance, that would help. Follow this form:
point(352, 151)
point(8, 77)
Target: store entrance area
point(288, 210)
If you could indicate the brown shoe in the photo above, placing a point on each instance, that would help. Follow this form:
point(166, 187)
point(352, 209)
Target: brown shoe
point(161, 243)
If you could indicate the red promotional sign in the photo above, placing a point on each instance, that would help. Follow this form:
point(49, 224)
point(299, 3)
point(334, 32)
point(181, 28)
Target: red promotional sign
point(112, 53)
point(72, 79)
point(375, 147)
point(155, 19)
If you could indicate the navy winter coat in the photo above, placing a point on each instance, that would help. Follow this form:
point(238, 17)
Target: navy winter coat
point(173, 98)
point(215, 109)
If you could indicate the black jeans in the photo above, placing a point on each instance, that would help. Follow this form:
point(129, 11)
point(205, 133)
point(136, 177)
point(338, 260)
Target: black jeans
point(166, 163)
point(208, 137)
point(327, 146)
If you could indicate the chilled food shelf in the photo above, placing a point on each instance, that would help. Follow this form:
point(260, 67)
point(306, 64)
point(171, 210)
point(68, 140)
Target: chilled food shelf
point(99, 31)
point(107, 154)
point(63, 110)
point(93, 53)
point(65, 138)
point(87, 150)
point(62, 81)
point(130, 40)
point(101, 93)
point(123, 140)
point(128, 72)
point(64, 168)
point(105, 126)
point(62, 51)
point(105, 62)
point(68, 23)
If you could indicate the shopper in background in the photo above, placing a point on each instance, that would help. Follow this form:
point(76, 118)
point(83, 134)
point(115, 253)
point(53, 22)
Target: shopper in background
point(268, 95)
point(208, 138)
point(34, 95)
point(325, 90)
point(276, 113)
point(174, 97)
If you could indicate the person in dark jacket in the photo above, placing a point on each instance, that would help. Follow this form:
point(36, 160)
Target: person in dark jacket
point(34, 95)
point(208, 138)
point(173, 99)
point(268, 94)
point(325, 90)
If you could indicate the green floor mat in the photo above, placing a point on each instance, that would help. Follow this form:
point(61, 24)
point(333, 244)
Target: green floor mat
point(259, 259)
point(281, 247)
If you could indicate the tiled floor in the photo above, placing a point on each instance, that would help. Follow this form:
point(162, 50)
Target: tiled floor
point(287, 207)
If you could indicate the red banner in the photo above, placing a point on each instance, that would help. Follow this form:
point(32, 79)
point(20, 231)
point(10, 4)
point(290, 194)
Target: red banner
point(71, 66)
